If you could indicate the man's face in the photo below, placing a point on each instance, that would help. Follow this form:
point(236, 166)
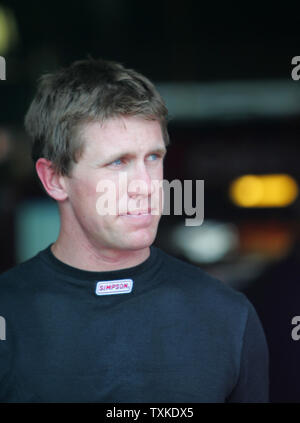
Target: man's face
point(127, 149)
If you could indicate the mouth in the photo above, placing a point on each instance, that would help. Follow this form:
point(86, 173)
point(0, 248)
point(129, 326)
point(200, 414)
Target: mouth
point(137, 213)
point(138, 218)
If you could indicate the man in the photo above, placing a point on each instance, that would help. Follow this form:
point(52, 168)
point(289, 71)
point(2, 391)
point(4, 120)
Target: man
point(101, 315)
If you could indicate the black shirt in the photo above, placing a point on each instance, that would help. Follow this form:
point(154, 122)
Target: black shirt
point(178, 336)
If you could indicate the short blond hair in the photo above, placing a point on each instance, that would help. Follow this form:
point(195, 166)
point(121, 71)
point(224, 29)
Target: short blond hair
point(86, 91)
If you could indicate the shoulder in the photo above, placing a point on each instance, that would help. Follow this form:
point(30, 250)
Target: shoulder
point(206, 302)
point(201, 287)
point(15, 278)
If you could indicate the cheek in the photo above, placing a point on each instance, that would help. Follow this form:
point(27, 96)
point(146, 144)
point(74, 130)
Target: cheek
point(84, 196)
point(157, 173)
point(107, 198)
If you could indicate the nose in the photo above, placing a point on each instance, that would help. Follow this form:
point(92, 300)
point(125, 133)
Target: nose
point(140, 182)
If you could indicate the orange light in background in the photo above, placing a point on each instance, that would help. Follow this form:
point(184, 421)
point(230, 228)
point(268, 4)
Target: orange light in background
point(274, 239)
point(274, 190)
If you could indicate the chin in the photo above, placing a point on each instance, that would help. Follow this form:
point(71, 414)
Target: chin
point(140, 241)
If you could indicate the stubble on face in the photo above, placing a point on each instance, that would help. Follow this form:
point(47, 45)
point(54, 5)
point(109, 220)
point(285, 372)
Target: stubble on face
point(128, 145)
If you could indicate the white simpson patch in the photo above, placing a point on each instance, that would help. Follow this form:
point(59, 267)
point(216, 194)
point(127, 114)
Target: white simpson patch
point(119, 286)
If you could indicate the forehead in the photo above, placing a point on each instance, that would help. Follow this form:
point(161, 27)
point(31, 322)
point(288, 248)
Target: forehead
point(117, 134)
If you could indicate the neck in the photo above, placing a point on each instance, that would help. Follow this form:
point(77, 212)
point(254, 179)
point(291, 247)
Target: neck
point(86, 256)
point(75, 248)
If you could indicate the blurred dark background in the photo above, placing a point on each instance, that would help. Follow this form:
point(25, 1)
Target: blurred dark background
point(225, 72)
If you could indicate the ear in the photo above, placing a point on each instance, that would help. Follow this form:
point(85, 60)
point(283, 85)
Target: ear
point(53, 182)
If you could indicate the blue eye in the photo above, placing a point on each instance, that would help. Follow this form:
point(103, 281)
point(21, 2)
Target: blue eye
point(153, 157)
point(117, 162)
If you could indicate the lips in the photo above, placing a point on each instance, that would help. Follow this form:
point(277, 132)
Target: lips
point(136, 213)
point(135, 219)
